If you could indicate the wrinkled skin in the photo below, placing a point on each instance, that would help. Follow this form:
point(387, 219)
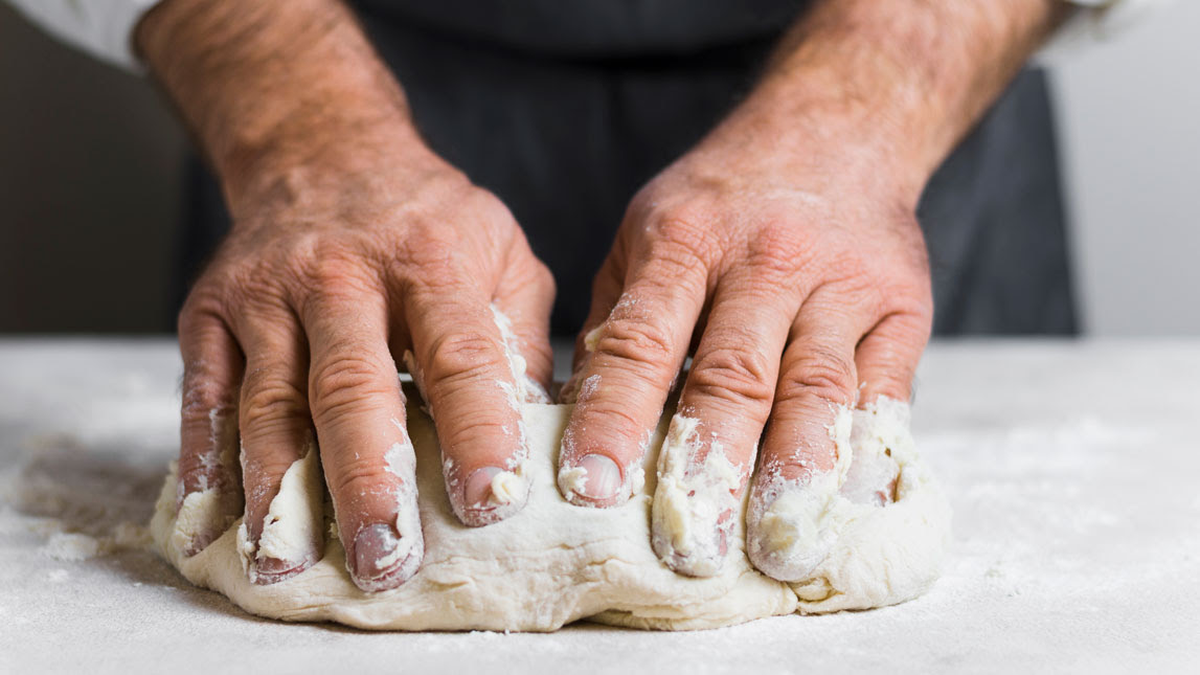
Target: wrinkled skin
point(798, 292)
point(781, 252)
point(321, 300)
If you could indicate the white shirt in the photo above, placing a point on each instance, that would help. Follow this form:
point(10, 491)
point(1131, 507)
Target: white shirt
point(104, 28)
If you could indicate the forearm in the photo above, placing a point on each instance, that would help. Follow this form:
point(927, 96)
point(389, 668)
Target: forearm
point(266, 87)
point(893, 84)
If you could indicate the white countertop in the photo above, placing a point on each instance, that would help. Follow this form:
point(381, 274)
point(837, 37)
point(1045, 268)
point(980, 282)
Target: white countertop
point(1073, 469)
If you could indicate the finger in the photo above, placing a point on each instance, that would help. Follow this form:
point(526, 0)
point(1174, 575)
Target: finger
point(888, 356)
point(886, 361)
point(709, 450)
point(521, 309)
point(606, 291)
point(639, 350)
point(358, 408)
point(805, 450)
point(459, 353)
point(209, 498)
point(276, 542)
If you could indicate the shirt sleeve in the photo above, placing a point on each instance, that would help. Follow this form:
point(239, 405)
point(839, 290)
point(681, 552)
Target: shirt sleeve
point(102, 28)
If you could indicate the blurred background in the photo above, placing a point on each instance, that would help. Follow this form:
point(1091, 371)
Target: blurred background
point(91, 162)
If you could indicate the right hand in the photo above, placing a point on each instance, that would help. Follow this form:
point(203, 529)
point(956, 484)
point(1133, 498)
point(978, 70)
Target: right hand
point(333, 270)
point(352, 244)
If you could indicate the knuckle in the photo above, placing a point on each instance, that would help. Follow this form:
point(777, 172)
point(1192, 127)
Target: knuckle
point(202, 396)
point(820, 373)
point(644, 341)
point(188, 319)
point(357, 475)
point(908, 303)
point(205, 390)
point(203, 307)
point(460, 356)
point(185, 319)
point(779, 247)
point(262, 471)
point(434, 267)
point(253, 290)
point(492, 208)
point(921, 311)
point(735, 375)
point(611, 423)
point(269, 398)
point(459, 439)
point(429, 254)
point(644, 200)
point(683, 237)
point(337, 275)
point(342, 383)
point(920, 298)
point(227, 294)
point(846, 266)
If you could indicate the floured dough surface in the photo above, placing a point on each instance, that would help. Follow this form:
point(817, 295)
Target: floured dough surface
point(554, 563)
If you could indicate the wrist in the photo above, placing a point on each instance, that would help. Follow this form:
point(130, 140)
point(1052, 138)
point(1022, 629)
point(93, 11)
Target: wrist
point(884, 92)
point(274, 90)
point(324, 162)
point(820, 141)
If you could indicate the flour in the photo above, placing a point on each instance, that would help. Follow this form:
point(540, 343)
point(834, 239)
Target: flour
point(291, 531)
point(79, 515)
point(71, 546)
point(693, 514)
point(553, 563)
point(1075, 539)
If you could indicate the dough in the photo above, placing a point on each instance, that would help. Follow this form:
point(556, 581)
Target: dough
point(553, 563)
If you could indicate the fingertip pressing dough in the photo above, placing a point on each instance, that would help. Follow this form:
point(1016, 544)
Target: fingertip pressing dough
point(553, 563)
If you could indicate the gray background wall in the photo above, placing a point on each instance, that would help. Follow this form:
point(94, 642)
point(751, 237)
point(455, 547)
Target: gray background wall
point(89, 190)
point(90, 184)
point(1129, 112)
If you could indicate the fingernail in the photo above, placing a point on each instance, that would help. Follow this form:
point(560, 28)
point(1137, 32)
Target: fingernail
point(692, 513)
point(380, 560)
point(211, 512)
point(478, 490)
point(269, 571)
point(198, 543)
point(601, 477)
point(788, 533)
point(491, 494)
point(700, 551)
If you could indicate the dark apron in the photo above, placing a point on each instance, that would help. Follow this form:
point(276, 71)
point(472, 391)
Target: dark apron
point(564, 109)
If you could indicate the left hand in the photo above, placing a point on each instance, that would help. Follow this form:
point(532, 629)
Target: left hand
point(799, 281)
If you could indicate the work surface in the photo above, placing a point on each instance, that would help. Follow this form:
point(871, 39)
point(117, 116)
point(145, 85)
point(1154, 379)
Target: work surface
point(1073, 469)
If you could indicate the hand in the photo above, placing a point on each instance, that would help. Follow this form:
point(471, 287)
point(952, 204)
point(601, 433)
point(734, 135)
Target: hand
point(353, 246)
point(322, 294)
point(802, 287)
point(784, 252)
